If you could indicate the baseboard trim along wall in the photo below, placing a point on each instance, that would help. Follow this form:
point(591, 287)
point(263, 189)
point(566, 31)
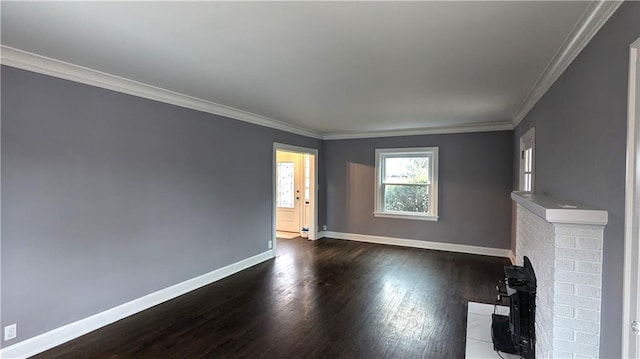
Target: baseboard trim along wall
point(450, 247)
point(55, 337)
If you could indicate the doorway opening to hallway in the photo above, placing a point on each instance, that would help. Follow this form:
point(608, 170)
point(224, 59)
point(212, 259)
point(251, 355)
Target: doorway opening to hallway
point(295, 193)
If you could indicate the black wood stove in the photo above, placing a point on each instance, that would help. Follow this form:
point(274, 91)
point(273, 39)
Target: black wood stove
point(515, 333)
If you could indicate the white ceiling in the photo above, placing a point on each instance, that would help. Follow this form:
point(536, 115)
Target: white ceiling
point(331, 67)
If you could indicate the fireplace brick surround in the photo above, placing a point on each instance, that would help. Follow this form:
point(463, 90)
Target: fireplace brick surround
point(564, 242)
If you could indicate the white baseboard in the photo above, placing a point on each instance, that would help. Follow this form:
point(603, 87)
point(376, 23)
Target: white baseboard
point(55, 337)
point(450, 247)
point(321, 234)
point(512, 257)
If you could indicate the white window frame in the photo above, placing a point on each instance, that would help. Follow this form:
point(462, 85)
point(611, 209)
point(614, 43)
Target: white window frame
point(381, 153)
point(527, 141)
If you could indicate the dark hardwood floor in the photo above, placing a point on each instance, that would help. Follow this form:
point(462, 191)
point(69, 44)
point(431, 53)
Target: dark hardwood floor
point(321, 299)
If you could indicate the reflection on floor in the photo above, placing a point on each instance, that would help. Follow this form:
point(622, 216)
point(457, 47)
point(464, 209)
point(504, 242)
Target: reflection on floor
point(479, 344)
point(317, 299)
point(287, 235)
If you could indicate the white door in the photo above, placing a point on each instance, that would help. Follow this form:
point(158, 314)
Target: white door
point(307, 175)
point(288, 191)
point(631, 307)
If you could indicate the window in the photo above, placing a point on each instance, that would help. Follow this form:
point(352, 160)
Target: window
point(527, 160)
point(407, 183)
point(307, 177)
point(284, 194)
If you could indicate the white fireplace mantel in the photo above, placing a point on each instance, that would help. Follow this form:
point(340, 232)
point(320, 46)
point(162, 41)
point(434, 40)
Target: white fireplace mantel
point(554, 210)
point(564, 241)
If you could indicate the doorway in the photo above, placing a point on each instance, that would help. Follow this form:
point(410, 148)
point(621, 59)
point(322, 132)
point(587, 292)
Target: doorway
point(295, 184)
point(631, 299)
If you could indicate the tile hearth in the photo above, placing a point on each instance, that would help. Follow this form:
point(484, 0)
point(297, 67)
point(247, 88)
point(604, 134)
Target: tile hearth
point(479, 344)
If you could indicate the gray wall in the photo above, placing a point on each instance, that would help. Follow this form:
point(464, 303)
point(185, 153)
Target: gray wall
point(107, 197)
point(581, 129)
point(475, 176)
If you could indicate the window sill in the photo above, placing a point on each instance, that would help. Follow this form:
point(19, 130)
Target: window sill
point(418, 217)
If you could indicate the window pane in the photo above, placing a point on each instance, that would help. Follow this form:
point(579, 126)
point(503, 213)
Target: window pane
point(307, 179)
point(406, 170)
point(528, 157)
point(284, 195)
point(406, 198)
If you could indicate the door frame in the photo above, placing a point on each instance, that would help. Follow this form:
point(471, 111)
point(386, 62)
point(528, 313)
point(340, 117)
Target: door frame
point(630, 309)
point(313, 189)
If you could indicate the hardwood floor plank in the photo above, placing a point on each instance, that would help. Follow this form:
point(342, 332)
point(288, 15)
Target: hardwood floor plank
point(317, 299)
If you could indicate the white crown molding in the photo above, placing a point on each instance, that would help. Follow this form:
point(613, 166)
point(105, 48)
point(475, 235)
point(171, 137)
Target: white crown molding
point(414, 243)
point(594, 18)
point(24, 60)
point(483, 127)
point(55, 337)
point(596, 15)
point(44, 65)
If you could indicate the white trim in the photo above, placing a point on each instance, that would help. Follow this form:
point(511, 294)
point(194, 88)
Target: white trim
point(55, 337)
point(25, 60)
point(296, 149)
point(414, 243)
point(44, 65)
point(512, 257)
point(554, 210)
point(483, 127)
point(593, 19)
point(596, 15)
point(321, 234)
point(433, 153)
point(313, 221)
point(632, 207)
point(408, 215)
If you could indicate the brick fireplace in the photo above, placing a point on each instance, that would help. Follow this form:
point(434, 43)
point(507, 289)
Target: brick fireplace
point(564, 242)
